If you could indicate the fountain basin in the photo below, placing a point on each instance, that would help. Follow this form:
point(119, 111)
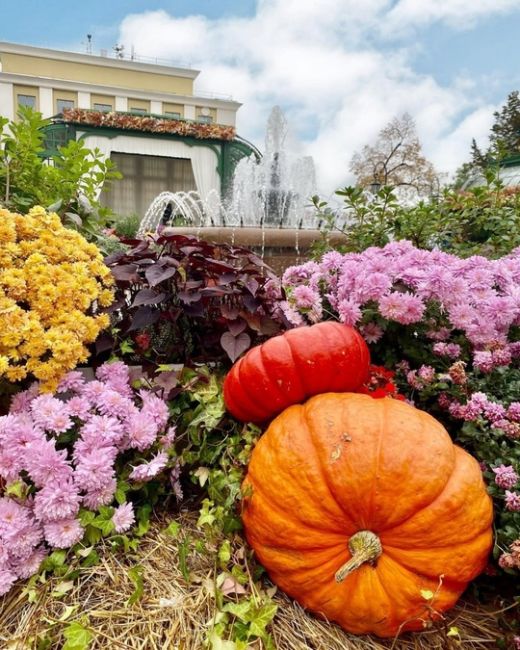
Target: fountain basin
point(279, 247)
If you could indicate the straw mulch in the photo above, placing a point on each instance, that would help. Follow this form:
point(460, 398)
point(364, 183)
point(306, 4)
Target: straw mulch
point(175, 615)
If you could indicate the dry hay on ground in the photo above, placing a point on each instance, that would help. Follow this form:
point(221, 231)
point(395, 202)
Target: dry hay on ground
point(175, 615)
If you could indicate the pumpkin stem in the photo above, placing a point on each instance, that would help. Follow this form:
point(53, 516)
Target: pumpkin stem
point(364, 546)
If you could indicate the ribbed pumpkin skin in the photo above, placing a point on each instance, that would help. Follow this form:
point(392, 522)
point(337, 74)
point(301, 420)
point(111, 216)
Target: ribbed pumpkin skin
point(289, 368)
point(342, 463)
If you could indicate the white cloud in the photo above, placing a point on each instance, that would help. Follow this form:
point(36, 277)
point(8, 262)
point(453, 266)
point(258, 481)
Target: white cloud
point(457, 13)
point(322, 62)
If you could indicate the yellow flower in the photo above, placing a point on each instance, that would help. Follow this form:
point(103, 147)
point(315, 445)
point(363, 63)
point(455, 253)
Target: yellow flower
point(51, 280)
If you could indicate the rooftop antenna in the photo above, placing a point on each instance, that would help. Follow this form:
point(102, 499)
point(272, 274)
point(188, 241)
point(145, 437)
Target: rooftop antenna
point(120, 51)
point(88, 46)
point(132, 53)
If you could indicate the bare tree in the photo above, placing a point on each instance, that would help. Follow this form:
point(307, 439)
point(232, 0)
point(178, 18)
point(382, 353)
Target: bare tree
point(396, 159)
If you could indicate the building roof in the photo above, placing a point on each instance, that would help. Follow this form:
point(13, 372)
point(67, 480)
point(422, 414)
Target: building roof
point(131, 63)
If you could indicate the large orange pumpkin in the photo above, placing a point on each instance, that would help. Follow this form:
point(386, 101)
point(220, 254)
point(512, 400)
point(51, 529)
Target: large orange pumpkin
point(290, 367)
point(355, 506)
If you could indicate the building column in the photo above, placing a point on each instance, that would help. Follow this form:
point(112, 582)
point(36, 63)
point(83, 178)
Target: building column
point(189, 112)
point(83, 99)
point(7, 100)
point(46, 105)
point(121, 104)
point(156, 107)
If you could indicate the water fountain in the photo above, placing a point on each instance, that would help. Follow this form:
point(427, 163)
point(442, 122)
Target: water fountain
point(268, 207)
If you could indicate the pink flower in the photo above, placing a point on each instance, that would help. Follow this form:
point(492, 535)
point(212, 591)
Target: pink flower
point(123, 517)
point(95, 470)
point(63, 533)
point(21, 402)
point(349, 312)
point(506, 561)
point(405, 308)
point(49, 413)
point(292, 314)
point(56, 500)
point(305, 297)
point(31, 564)
point(7, 580)
point(24, 541)
point(141, 431)
point(155, 408)
point(94, 499)
point(427, 374)
point(451, 350)
point(13, 517)
point(44, 463)
point(371, 333)
point(512, 501)
point(79, 407)
point(516, 642)
point(168, 439)
point(72, 382)
point(506, 477)
point(147, 471)
point(483, 361)
point(110, 402)
point(513, 411)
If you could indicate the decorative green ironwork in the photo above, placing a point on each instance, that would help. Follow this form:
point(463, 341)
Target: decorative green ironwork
point(228, 152)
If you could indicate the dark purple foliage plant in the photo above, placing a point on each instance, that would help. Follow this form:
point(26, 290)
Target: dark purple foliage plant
point(183, 300)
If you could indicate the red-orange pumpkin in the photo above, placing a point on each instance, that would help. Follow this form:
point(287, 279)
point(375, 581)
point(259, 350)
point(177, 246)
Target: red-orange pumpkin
point(355, 506)
point(289, 368)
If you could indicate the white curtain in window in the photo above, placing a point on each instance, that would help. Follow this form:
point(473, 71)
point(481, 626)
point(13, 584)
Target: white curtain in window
point(203, 159)
point(204, 162)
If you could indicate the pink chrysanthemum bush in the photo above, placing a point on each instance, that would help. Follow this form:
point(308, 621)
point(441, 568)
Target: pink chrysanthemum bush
point(451, 327)
point(69, 463)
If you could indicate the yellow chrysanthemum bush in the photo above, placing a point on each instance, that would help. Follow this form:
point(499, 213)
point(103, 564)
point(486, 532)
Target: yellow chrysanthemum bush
point(52, 284)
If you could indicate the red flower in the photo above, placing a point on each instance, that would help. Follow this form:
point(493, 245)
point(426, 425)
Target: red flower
point(143, 340)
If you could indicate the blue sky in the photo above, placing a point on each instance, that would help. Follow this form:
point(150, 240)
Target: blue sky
point(341, 69)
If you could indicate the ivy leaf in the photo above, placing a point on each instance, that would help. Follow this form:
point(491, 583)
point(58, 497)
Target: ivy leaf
point(77, 637)
point(136, 576)
point(202, 473)
point(173, 529)
point(263, 617)
point(234, 346)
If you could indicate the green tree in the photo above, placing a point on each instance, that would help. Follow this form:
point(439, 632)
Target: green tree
point(69, 182)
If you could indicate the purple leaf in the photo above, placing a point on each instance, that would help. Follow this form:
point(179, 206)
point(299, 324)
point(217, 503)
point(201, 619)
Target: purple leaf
point(235, 345)
point(125, 273)
point(147, 297)
point(188, 297)
point(156, 274)
point(252, 286)
point(143, 317)
point(236, 326)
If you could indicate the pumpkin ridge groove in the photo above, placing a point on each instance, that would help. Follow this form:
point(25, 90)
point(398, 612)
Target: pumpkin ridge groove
point(324, 474)
point(253, 407)
point(296, 369)
point(279, 507)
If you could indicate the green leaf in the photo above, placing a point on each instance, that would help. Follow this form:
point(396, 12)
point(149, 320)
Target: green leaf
point(136, 576)
point(241, 610)
point(224, 553)
point(77, 637)
point(454, 631)
point(172, 529)
point(263, 617)
point(216, 643)
point(427, 594)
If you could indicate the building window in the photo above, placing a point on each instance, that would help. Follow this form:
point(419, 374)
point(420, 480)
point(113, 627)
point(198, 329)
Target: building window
point(205, 119)
point(173, 116)
point(139, 111)
point(144, 177)
point(27, 100)
point(62, 104)
point(104, 108)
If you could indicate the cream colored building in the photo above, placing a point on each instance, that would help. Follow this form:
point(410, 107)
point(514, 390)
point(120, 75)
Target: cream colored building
point(53, 81)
